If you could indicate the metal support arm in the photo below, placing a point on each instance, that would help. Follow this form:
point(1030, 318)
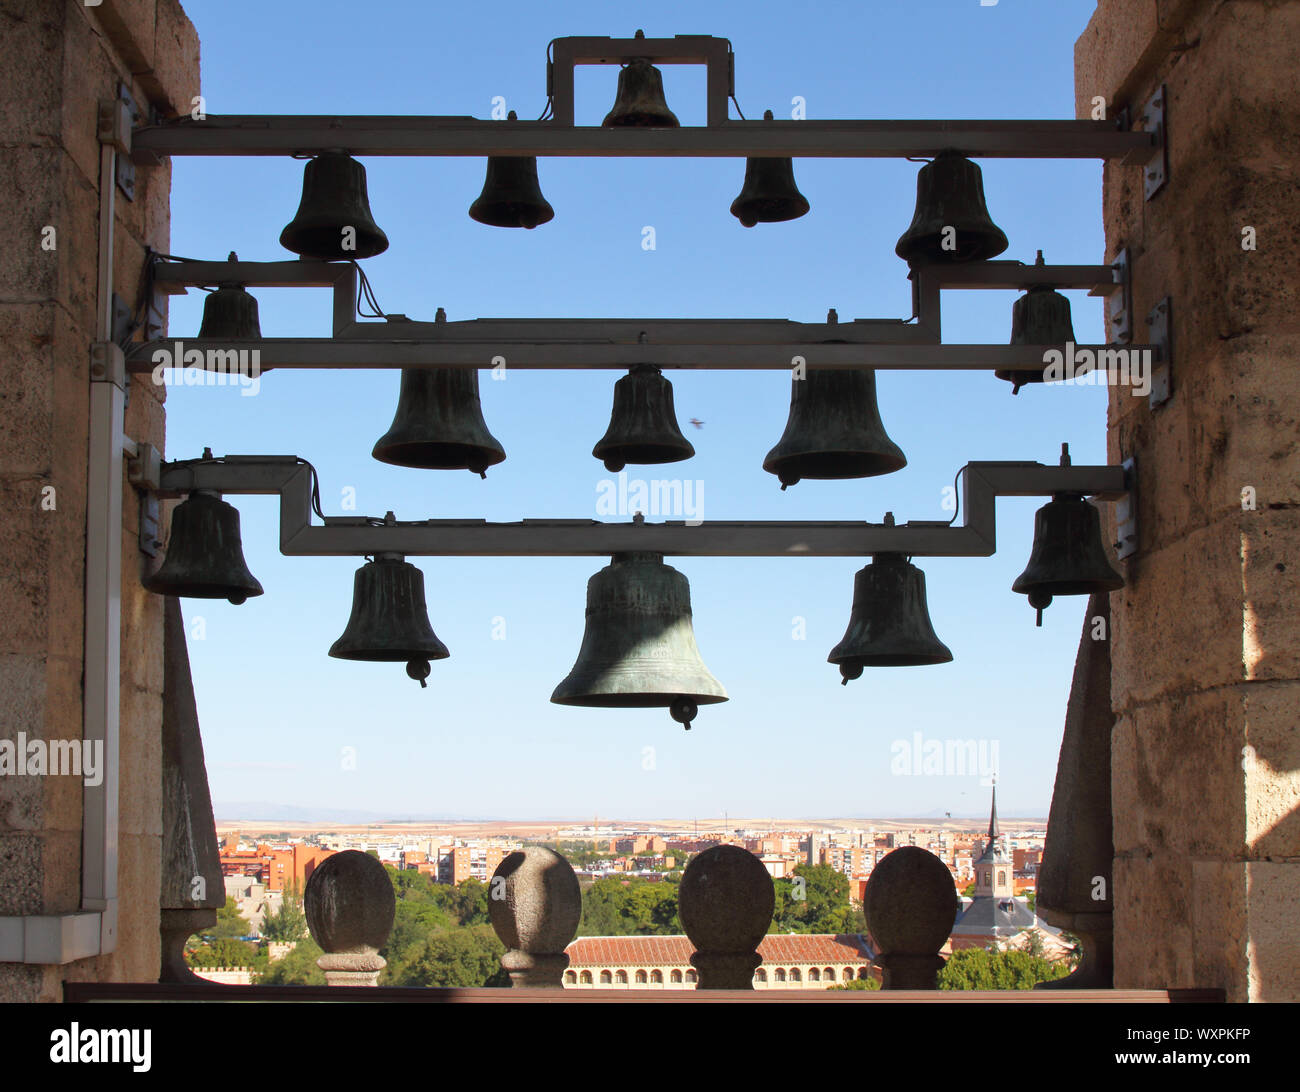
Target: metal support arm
point(290, 477)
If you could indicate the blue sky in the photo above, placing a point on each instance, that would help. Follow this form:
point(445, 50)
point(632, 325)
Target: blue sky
point(483, 739)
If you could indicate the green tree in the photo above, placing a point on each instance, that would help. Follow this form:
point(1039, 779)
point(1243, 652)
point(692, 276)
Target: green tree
point(859, 984)
point(815, 900)
point(230, 922)
point(977, 969)
point(222, 952)
point(289, 922)
point(631, 906)
point(458, 957)
point(298, 968)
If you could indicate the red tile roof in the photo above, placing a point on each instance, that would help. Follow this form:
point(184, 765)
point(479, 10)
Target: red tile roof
point(676, 951)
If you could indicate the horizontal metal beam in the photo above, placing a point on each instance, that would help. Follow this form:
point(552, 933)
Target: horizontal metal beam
point(560, 355)
point(253, 134)
point(358, 536)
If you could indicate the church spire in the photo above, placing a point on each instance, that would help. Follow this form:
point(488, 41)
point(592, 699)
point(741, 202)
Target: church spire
point(993, 817)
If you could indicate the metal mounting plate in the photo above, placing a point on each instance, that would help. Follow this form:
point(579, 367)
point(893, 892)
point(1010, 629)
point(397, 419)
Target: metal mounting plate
point(1156, 171)
point(1126, 513)
point(1162, 380)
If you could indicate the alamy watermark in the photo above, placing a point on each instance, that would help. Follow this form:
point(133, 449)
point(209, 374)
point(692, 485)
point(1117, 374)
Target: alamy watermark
point(182, 367)
point(919, 756)
point(25, 757)
point(1112, 367)
point(659, 497)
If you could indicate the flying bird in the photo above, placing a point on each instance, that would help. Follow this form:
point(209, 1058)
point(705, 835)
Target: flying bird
point(697, 422)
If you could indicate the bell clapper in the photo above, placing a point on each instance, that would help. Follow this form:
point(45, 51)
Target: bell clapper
point(419, 670)
point(683, 710)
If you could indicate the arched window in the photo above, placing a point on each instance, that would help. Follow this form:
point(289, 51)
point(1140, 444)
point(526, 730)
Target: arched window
point(620, 978)
point(828, 974)
point(691, 976)
point(847, 974)
point(1002, 878)
point(657, 977)
point(814, 975)
point(795, 976)
point(585, 978)
point(779, 975)
point(570, 978)
point(864, 972)
point(675, 976)
point(760, 975)
point(641, 978)
point(606, 978)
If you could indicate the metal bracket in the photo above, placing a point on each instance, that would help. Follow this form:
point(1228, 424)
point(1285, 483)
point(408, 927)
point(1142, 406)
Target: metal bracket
point(107, 364)
point(1126, 513)
point(1119, 305)
point(117, 120)
point(1156, 171)
point(121, 318)
point(1162, 381)
point(713, 53)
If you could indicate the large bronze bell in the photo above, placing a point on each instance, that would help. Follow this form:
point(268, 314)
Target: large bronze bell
point(439, 424)
point(643, 425)
point(638, 650)
point(1068, 557)
point(769, 195)
point(890, 622)
point(1040, 317)
point(205, 557)
point(390, 620)
point(334, 200)
point(230, 313)
point(834, 430)
point(512, 196)
point(950, 194)
point(640, 99)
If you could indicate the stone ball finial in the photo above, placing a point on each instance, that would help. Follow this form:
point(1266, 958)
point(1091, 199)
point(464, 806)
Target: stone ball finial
point(910, 904)
point(725, 903)
point(350, 906)
point(535, 904)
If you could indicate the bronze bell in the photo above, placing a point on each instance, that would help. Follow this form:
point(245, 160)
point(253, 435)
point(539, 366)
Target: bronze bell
point(205, 557)
point(890, 622)
point(390, 621)
point(643, 425)
point(512, 196)
point(638, 650)
point(1068, 557)
point(230, 313)
point(334, 200)
point(950, 194)
point(769, 195)
point(640, 99)
point(439, 424)
point(1040, 317)
point(834, 430)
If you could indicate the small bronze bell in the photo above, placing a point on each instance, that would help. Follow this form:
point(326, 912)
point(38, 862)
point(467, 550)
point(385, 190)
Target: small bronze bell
point(638, 649)
point(205, 557)
point(230, 313)
point(950, 195)
point(1040, 317)
point(1068, 557)
point(439, 424)
point(890, 622)
point(390, 620)
point(769, 195)
point(334, 219)
point(512, 196)
point(834, 430)
point(640, 99)
point(643, 425)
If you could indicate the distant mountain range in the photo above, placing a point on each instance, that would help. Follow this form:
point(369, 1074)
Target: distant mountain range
point(262, 812)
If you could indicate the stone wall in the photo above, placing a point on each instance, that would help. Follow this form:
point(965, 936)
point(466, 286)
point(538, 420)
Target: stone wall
point(1205, 680)
point(66, 55)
